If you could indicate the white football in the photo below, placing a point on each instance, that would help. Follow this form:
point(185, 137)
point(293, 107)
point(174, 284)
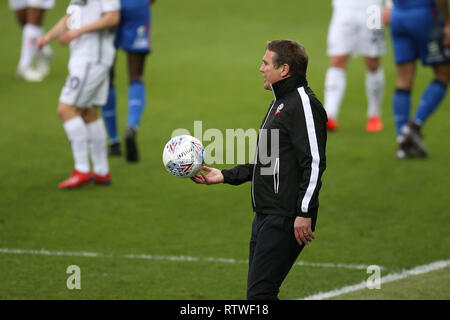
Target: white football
point(184, 156)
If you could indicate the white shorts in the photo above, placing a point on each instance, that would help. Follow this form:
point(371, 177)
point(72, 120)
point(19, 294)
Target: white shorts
point(86, 86)
point(349, 34)
point(22, 4)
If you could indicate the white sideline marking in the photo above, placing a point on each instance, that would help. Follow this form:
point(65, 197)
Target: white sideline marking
point(335, 265)
point(389, 278)
point(44, 252)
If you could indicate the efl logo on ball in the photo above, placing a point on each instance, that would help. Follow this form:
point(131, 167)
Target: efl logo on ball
point(184, 156)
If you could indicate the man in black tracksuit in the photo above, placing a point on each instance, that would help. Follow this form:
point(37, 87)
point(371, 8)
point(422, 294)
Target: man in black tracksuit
point(286, 173)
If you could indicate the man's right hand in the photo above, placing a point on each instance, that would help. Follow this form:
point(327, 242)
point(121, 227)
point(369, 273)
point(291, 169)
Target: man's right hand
point(41, 42)
point(214, 176)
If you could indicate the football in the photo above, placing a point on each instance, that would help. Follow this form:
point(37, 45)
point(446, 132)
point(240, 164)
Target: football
point(184, 156)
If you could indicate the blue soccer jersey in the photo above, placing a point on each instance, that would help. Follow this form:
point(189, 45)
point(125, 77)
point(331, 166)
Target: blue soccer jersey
point(133, 32)
point(417, 32)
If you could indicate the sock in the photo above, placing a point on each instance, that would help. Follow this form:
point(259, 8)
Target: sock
point(77, 133)
point(97, 144)
point(335, 83)
point(30, 34)
point(374, 92)
point(110, 115)
point(136, 103)
point(431, 98)
point(401, 104)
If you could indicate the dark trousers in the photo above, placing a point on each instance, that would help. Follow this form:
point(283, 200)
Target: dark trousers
point(273, 251)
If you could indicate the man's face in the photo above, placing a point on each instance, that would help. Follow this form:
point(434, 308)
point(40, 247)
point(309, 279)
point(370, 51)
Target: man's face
point(270, 73)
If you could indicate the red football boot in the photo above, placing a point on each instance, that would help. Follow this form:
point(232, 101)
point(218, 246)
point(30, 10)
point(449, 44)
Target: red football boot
point(105, 180)
point(332, 124)
point(374, 124)
point(76, 179)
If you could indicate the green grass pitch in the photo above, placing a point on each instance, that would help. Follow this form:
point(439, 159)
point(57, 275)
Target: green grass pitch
point(374, 209)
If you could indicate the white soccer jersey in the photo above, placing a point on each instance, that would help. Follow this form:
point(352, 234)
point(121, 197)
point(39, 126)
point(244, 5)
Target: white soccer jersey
point(97, 46)
point(22, 4)
point(363, 4)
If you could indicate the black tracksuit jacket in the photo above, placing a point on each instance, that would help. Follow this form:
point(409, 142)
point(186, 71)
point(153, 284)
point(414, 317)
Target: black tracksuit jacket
point(289, 184)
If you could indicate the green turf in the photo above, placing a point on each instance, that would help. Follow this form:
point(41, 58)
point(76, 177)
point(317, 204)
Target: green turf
point(375, 209)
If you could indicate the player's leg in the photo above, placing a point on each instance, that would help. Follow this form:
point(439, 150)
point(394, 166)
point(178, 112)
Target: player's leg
point(77, 134)
point(431, 99)
point(406, 53)
point(36, 13)
point(335, 85)
point(21, 16)
point(402, 95)
point(98, 139)
point(134, 38)
point(374, 90)
point(433, 94)
point(97, 145)
point(20, 10)
point(136, 101)
point(86, 85)
point(341, 41)
point(372, 46)
point(402, 107)
point(31, 31)
point(109, 111)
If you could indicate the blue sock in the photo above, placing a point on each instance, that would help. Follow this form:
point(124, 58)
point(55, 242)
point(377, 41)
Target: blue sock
point(109, 115)
point(401, 103)
point(431, 98)
point(136, 103)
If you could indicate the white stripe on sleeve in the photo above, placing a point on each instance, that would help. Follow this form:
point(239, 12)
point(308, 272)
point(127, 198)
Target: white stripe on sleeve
point(314, 149)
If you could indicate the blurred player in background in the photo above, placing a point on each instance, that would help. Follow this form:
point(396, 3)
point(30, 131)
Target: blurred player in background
point(420, 29)
point(30, 15)
point(89, 28)
point(133, 36)
point(352, 32)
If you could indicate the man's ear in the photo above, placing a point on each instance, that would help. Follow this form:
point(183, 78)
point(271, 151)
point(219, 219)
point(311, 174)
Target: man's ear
point(285, 70)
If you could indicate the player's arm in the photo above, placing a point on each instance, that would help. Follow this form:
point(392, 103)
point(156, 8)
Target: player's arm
point(387, 11)
point(236, 176)
point(239, 174)
point(58, 29)
point(108, 20)
point(443, 8)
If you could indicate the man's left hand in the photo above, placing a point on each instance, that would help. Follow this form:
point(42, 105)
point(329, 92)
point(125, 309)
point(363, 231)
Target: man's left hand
point(302, 230)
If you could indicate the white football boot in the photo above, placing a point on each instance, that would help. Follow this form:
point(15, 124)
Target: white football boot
point(29, 74)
